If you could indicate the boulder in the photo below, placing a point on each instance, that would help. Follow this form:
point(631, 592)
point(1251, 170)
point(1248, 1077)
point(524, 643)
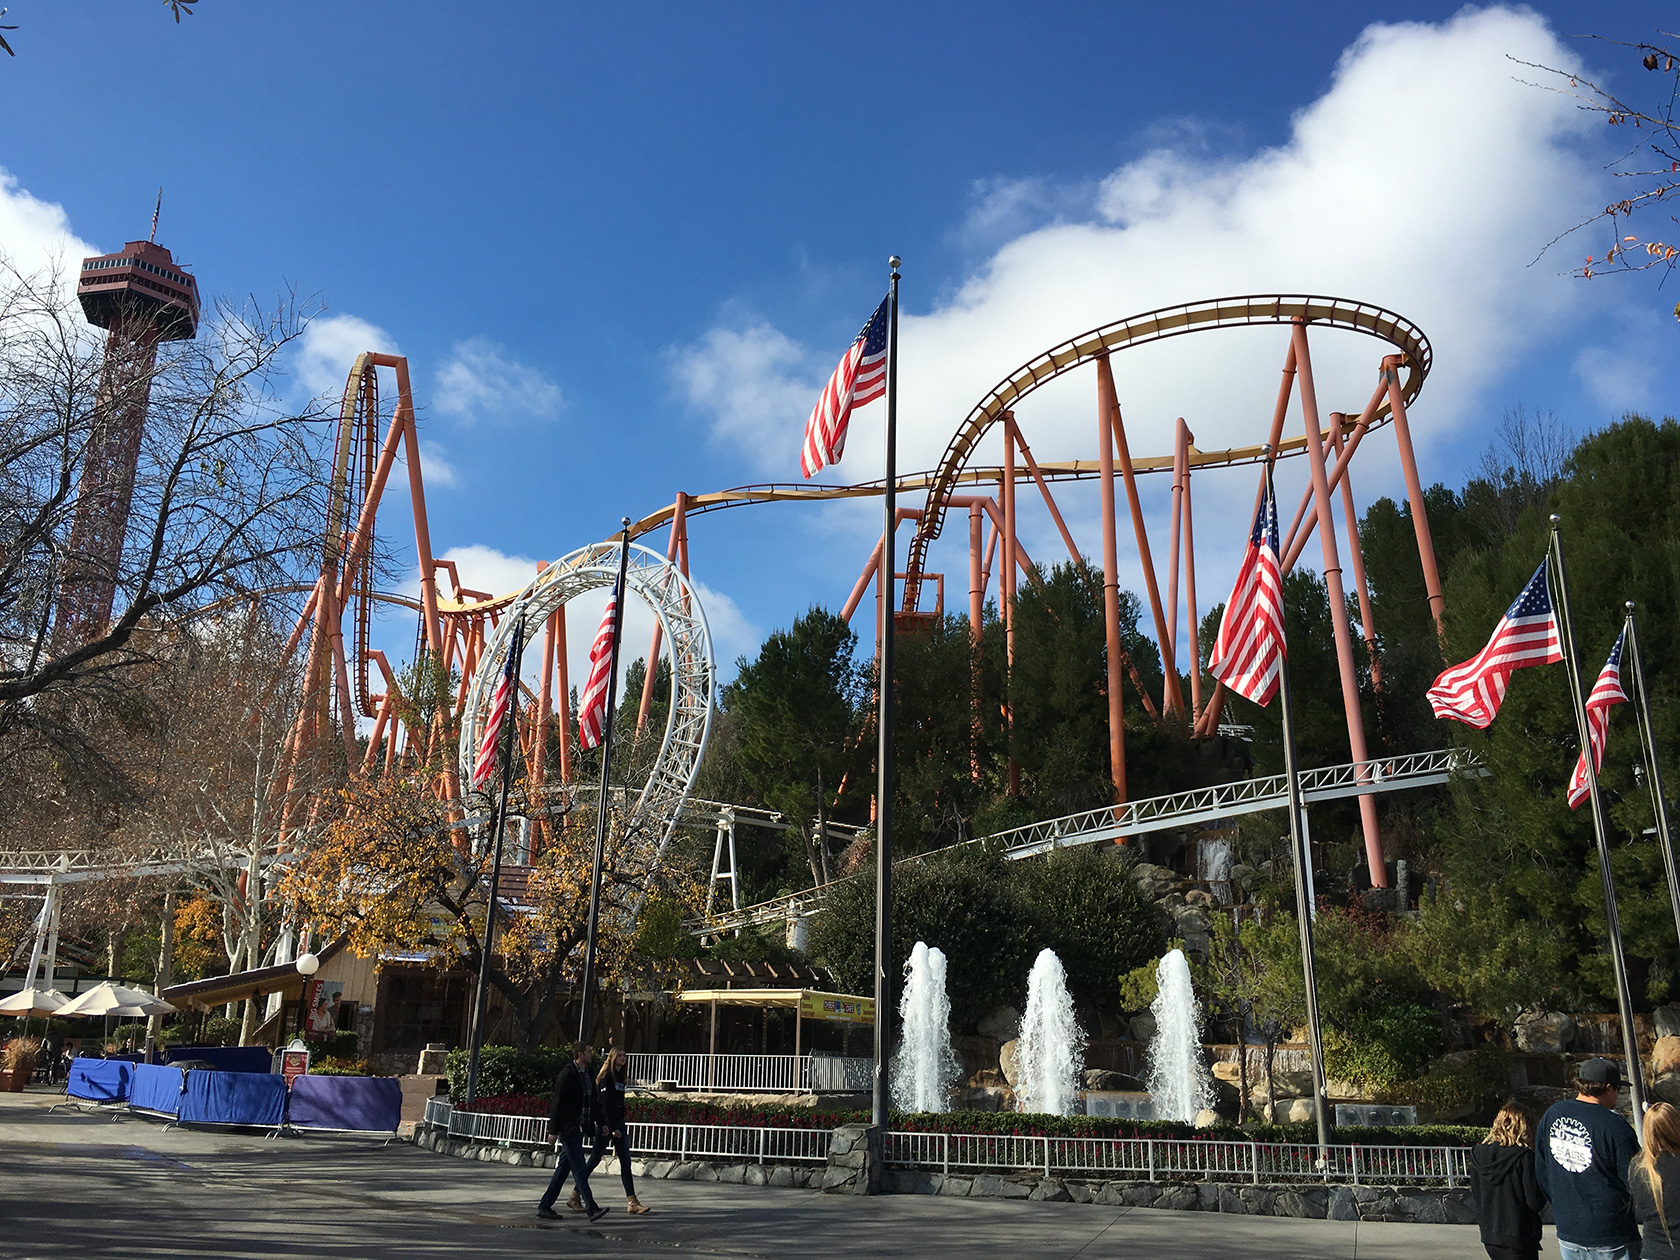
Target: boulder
point(1006, 1060)
point(1201, 898)
point(1667, 1088)
point(1004, 1023)
point(1156, 881)
point(1544, 1032)
point(1665, 1056)
point(1347, 1091)
point(1667, 1020)
point(1106, 1081)
point(1206, 1118)
point(1243, 875)
point(1227, 1070)
point(1143, 1027)
point(1289, 1084)
point(1294, 1111)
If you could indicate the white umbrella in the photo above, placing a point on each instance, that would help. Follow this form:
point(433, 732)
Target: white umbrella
point(27, 1002)
point(114, 999)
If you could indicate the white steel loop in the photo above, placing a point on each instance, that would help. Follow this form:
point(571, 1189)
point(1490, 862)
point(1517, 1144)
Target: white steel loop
point(674, 600)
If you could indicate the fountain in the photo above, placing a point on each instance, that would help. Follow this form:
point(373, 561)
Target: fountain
point(925, 1067)
point(1178, 1081)
point(1049, 1055)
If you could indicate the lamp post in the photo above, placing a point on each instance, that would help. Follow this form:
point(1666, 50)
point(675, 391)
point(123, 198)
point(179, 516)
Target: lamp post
point(307, 965)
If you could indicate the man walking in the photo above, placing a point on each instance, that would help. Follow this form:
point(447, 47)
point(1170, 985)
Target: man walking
point(1582, 1164)
point(571, 1119)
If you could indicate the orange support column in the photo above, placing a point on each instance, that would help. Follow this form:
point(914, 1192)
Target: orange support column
point(1414, 494)
point(1006, 589)
point(1356, 555)
point(1338, 606)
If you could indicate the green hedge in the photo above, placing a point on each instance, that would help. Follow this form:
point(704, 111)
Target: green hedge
point(507, 1070)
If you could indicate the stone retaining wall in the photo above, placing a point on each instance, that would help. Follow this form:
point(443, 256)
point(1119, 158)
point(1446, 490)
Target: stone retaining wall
point(1420, 1204)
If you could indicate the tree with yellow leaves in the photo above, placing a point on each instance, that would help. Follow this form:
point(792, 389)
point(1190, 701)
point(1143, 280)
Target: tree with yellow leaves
point(396, 875)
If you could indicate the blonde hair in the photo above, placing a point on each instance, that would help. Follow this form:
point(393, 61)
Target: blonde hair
point(1513, 1126)
point(607, 1062)
point(1662, 1137)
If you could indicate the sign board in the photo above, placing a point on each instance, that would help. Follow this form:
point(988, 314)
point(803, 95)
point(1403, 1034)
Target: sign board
point(294, 1062)
point(837, 1007)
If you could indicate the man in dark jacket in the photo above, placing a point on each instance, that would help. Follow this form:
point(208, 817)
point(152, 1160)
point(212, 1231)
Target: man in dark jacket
point(1581, 1160)
point(573, 1117)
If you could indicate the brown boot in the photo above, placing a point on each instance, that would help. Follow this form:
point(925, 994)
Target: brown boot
point(637, 1207)
point(575, 1202)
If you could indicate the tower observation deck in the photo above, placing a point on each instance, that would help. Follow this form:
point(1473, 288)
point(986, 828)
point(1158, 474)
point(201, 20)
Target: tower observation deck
point(142, 296)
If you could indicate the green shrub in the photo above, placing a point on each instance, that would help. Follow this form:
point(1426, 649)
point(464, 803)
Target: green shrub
point(1384, 1045)
point(507, 1070)
point(329, 1065)
point(219, 1031)
point(1477, 1078)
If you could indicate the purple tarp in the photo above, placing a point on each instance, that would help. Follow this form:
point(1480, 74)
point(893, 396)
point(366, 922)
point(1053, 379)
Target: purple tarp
point(233, 1098)
point(370, 1104)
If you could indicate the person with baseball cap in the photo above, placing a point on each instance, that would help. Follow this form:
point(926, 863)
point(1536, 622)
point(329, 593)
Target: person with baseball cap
point(1581, 1161)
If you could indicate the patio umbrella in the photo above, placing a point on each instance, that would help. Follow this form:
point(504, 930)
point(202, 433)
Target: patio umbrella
point(114, 999)
point(27, 1002)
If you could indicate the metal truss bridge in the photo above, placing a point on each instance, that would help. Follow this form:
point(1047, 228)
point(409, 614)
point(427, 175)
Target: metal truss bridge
point(1156, 813)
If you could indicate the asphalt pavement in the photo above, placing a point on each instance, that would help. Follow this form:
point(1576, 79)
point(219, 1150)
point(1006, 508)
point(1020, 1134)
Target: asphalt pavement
point(75, 1185)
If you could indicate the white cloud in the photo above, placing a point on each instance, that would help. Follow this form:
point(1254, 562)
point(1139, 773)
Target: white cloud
point(328, 349)
point(757, 384)
point(1424, 179)
point(479, 379)
point(36, 234)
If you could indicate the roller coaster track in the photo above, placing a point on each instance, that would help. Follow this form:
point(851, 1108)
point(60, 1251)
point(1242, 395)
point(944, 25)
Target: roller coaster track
point(1156, 813)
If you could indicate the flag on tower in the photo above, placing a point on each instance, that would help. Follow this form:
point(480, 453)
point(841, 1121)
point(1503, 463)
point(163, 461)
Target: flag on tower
point(592, 706)
point(860, 378)
point(1606, 694)
point(486, 760)
point(1471, 692)
point(1250, 646)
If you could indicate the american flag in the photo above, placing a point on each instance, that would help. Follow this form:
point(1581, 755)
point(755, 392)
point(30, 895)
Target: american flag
point(860, 378)
point(1606, 694)
point(1527, 634)
point(1250, 649)
point(486, 762)
point(592, 707)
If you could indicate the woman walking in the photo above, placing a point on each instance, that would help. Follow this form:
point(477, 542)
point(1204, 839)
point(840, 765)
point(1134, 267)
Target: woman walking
point(615, 1129)
point(1654, 1178)
point(1502, 1184)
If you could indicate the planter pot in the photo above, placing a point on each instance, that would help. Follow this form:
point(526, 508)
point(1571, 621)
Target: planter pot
point(12, 1082)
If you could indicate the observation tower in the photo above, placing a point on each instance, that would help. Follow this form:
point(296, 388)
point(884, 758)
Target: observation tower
point(142, 296)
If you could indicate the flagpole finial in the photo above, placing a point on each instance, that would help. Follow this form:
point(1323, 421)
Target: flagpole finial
point(1555, 518)
point(625, 521)
point(894, 262)
point(1630, 607)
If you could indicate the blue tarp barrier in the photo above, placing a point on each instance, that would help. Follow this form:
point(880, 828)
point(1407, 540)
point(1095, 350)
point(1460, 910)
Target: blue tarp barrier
point(157, 1088)
point(227, 1058)
point(233, 1098)
point(361, 1103)
point(100, 1080)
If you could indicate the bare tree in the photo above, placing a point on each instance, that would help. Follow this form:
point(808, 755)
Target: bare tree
point(1649, 166)
point(226, 498)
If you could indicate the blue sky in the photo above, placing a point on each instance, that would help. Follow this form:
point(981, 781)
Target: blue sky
point(622, 246)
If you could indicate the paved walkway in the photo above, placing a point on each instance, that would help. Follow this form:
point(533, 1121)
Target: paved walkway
point(81, 1185)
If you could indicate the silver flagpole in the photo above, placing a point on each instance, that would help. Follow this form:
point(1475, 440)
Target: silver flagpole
point(1653, 769)
point(1613, 923)
point(884, 753)
point(1303, 874)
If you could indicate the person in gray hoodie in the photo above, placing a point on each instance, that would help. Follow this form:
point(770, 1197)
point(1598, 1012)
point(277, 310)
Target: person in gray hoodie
point(1502, 1184)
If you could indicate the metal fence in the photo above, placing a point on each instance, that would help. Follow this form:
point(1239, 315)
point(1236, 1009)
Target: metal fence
point(1157, 1159)
point(750, 1073)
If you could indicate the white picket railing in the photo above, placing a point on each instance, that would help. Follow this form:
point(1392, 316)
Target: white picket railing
point(1154, 1159)
point(751, 1073)
point(677, 1141)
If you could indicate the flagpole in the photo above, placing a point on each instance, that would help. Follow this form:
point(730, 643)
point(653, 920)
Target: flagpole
point(481, 997)
point(1653, 770)
point(585, 1012)
point(1303, 874)
point(884, 719)
point(1613, 923)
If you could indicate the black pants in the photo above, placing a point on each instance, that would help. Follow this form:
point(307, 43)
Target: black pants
point(1496, 1252)
point(621, 1145)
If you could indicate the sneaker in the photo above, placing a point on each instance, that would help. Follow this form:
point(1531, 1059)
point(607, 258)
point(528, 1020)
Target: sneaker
point(575, 1202)
point(597, 1213)
point(547, 1213)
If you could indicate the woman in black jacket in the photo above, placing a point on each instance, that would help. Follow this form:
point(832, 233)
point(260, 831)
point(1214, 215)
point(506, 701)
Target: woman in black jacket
point(614, 1128)
point(1508, 1198)
point(1654, 1178)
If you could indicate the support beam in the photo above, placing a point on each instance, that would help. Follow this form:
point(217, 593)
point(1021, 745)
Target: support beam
point(1106, 406)
point(674, 553)
point(1006, 596)
point(1356, 555)
point(1192, 612)
point(1303, 525)
point(1169, 649)
point(1338, 605)
point(1049, 499)
point(1414, 492)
